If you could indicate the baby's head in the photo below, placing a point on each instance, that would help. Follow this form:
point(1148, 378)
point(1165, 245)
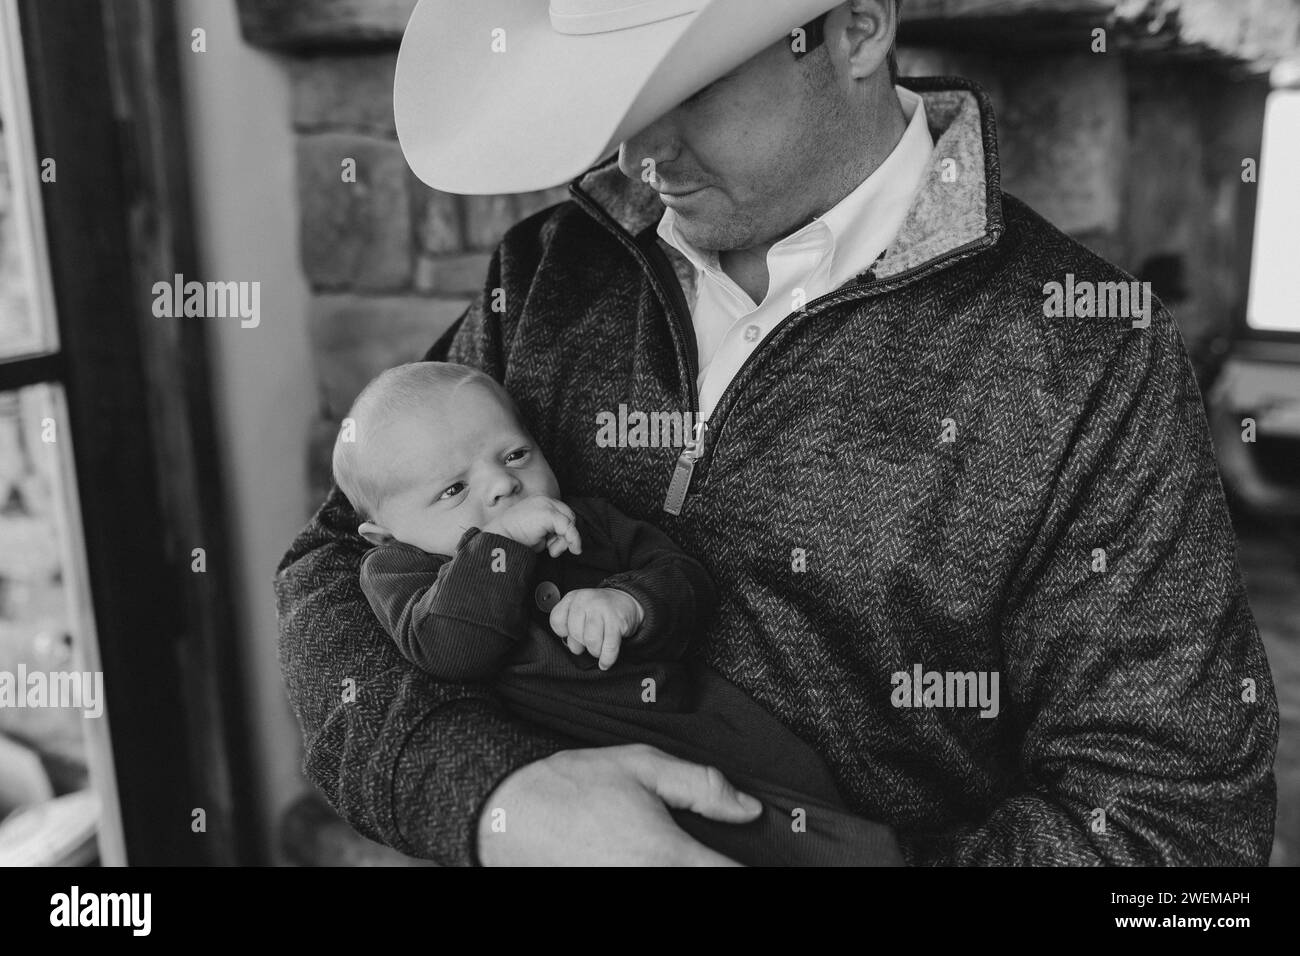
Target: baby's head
point(432, 450)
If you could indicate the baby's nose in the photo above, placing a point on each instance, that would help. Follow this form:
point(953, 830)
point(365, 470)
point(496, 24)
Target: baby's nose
point(504, 486)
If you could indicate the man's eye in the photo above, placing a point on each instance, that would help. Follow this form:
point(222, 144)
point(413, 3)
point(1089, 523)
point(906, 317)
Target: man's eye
point(450, 492)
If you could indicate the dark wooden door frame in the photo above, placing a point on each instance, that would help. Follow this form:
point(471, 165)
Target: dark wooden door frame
point(104, 86)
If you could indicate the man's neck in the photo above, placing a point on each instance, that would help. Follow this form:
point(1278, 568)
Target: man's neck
point(748, 267)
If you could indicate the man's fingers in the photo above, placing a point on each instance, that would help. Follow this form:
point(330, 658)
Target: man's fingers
point(691, 786)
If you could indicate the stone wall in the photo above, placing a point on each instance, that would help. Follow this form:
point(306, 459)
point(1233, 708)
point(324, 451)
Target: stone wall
point(391, 263)
point(1136, 151)
point(1138, 157)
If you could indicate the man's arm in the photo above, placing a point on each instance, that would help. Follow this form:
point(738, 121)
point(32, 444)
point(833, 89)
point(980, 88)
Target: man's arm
point(1141, 692)
point(429, 767)
point(406, 760)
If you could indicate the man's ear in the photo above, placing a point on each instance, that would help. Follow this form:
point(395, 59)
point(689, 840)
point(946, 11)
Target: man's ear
point(375, 534)
point(868, 34)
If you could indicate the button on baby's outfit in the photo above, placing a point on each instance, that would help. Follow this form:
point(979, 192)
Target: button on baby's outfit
point(547, 595)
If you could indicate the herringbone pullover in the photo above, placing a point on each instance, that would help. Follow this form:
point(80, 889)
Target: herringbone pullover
point(921, 468)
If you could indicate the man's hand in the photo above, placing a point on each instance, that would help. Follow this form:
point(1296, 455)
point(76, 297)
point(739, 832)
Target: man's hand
point(596, 620)
point(539, 523)
point(606, 807)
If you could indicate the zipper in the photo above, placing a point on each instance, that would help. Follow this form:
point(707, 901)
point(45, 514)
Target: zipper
point(862, 290)
point(693, 458)
point(684, 469)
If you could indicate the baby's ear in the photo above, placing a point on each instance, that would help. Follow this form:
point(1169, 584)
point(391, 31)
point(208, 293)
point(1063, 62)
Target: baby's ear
point(375, 534)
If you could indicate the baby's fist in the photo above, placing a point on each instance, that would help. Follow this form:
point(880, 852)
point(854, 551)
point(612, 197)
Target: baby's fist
point(596, 620)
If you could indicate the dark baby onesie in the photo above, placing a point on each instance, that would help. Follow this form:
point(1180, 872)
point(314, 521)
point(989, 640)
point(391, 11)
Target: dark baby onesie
point(483, 614)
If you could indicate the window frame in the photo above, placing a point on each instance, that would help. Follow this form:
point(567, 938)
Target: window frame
point(103, 89)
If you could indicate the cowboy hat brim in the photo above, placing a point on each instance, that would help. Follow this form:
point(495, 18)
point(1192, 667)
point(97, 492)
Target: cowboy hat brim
point(481, 112)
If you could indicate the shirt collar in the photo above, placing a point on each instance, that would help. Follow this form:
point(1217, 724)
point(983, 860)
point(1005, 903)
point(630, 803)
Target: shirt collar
point(855, 219)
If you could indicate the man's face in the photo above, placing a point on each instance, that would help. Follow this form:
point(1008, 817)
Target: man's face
point(743, 145)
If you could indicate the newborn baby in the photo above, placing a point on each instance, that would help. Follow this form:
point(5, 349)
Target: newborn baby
point(578, 614)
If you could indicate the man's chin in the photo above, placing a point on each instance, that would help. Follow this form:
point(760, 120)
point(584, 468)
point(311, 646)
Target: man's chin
point(705, 234)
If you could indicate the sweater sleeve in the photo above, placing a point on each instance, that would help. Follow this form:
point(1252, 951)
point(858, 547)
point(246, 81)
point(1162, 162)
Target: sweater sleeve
point(674, 591)
point(1138, 682)
point(406, 760)
point(456, 618)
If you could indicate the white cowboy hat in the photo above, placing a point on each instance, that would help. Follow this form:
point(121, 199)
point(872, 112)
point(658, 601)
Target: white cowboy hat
point(509, 96)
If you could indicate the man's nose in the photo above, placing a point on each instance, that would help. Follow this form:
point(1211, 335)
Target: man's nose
point(652, 147)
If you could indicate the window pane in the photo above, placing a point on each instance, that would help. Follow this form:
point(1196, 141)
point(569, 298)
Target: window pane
point(1274, 303)
point(57, 800)
point(27, 325)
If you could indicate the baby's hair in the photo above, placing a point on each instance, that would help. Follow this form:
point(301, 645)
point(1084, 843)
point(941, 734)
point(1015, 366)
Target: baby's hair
point(395, 392)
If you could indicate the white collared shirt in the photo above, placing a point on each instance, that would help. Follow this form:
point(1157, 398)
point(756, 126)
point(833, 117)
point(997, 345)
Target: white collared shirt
point(807, 264)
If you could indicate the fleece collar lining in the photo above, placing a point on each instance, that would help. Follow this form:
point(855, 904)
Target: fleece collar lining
point(958, 202)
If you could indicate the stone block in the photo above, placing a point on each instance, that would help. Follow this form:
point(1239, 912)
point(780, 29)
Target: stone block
point(1186, 226)
point(935, 61)
point(487, 218)
point(1062, 139)
point(354, 235)
point(354, 338)
point(353, 93)
point(320, 457)
point(1253, 33)
point(299, 25)
point(452, 275)
point(438, 219)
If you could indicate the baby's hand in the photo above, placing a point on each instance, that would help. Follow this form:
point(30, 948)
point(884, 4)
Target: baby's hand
point(540, 523)
point(596, 620)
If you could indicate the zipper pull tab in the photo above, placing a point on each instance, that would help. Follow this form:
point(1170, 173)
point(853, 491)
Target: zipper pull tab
point(685, 468)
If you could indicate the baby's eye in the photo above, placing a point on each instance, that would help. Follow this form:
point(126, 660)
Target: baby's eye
point(451, 492)
point(522, 453)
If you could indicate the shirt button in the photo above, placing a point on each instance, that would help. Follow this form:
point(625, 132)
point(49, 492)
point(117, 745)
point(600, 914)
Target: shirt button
point(547, 595)
point(751, 333)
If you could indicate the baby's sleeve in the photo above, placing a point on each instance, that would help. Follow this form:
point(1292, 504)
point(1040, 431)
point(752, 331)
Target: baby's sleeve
point(673, 589)
point(456, 618)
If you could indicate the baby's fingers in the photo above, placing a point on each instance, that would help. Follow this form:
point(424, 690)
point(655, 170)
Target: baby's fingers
point(556, 545)
point(565, 526)
point(559, 619)
point(593, 634)
point(609, 649)
point(576, 629)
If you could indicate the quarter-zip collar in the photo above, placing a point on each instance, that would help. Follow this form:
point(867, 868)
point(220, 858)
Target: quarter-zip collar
point(958, 206)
